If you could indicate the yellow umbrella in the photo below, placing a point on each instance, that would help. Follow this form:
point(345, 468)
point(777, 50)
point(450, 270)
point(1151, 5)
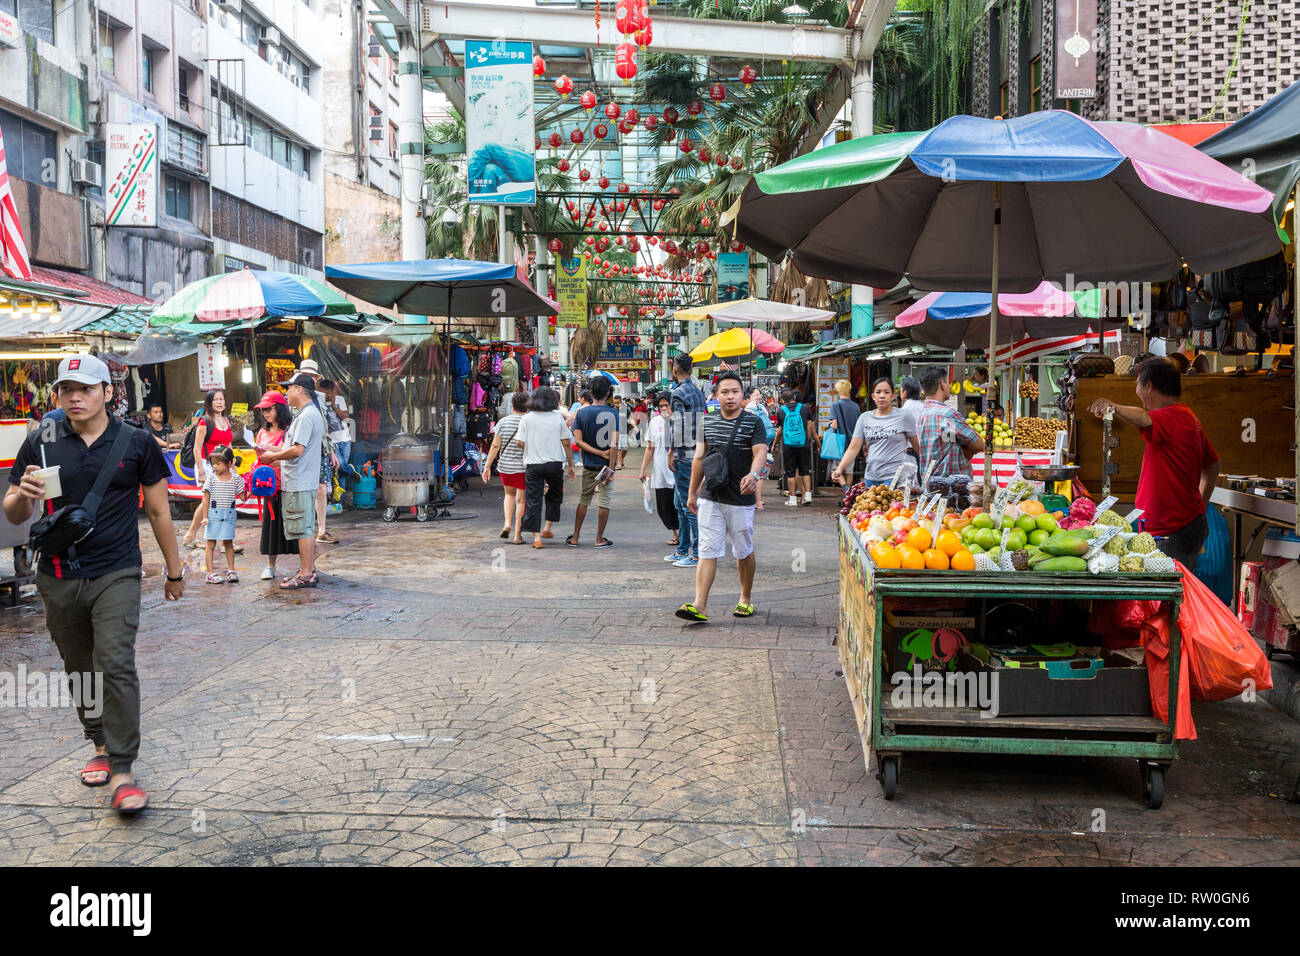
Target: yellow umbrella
point(734, 343)
point(696, 314)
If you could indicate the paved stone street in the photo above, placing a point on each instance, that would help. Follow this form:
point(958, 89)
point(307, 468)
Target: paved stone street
point(446, 697)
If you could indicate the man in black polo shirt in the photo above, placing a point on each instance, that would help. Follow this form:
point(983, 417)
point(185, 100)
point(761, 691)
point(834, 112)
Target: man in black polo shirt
point(92, 599)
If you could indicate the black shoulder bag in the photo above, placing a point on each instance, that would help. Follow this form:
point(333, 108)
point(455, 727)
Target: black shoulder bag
point(61, 531)
point(714, 464)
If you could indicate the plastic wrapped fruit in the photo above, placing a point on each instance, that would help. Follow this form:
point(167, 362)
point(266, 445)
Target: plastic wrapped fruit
point(1132, 563)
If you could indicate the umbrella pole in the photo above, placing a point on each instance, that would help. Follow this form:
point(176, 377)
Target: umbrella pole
point(252, 353)
point(993, 344)
point(445, 476)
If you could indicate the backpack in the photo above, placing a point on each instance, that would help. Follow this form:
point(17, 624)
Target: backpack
point(793, 433)
point(187, 448)
point(262, 482)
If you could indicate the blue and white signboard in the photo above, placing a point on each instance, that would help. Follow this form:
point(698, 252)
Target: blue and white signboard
point(499, 128)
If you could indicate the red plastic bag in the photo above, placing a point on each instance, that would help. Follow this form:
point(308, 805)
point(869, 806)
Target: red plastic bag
point(1155, 638)
point(1119, 623)
point(1223, 659)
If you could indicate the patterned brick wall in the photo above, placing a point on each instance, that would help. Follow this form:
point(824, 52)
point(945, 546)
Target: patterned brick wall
point(1162, 61)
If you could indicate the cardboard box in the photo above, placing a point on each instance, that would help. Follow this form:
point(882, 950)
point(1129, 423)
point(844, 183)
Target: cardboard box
point(1118, 688)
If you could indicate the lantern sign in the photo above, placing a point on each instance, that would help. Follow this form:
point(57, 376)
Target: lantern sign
point(612, 111)
point(747, 76)
point(499, 122)
point(694, 107)
point(539, 66)
point(670, 115)
point(563, 85)
point(625, 61)
point(588, 100)
point(717, 92)
point(576, 137)
point(600, 131)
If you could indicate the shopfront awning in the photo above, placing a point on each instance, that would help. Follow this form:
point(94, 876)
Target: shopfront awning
point(59, 302)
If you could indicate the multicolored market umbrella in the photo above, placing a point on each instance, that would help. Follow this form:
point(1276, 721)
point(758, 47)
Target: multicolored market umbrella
point(238, 298)
point(952, 319)
point(736, 344)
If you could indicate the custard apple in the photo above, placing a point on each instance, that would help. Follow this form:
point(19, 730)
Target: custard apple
point(1142, 543)
point(1110, 518)
point(1159, 563)
point(1132, 562)
point(1116, 546)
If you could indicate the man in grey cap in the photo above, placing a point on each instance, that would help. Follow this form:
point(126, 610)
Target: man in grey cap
point(329, 460)
point(91, 590)
point(299, 455)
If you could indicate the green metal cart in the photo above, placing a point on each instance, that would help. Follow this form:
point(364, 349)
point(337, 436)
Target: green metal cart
point(889, 732)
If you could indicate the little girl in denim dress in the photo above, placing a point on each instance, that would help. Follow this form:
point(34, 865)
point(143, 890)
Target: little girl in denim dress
point(221, 490)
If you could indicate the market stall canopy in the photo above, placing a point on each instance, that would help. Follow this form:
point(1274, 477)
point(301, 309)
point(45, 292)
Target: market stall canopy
point(741, 344)
point(751, 310)
point(252, 297)
point(450, 287)
point(952, 319)
point(804, 351)
point(1266, 144)
point(1096, 201)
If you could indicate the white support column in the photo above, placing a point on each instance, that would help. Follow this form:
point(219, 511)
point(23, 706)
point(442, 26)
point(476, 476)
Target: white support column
point(506, 326)
point(862, 107)
point(410, 132)
point(562, 340)
point(543, 322)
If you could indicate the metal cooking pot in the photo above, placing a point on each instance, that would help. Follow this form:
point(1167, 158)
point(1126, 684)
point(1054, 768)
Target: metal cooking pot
point(407, 466)
point(1050, 472)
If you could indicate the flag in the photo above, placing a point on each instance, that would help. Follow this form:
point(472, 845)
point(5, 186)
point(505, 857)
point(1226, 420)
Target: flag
point(13, 250)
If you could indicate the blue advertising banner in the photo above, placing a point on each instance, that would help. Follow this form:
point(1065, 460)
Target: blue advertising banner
point(499, 129)
point(733, 276)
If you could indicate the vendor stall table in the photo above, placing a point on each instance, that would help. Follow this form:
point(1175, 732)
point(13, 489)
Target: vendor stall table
point(1263, 512)
point(889, 732)
point(1004, 463)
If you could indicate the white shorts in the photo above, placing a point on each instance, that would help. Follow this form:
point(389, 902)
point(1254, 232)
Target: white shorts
point(720, 524)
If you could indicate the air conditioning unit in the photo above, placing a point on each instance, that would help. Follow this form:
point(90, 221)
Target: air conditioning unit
point(374, 49)
point(86, 173)
point(230, 6)
point(270, 36)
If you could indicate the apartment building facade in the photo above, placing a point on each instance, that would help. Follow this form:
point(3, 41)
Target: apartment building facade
point(266, 129)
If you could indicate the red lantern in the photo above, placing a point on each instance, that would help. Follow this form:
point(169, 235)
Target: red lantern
point(602, 244)
point(612, 111)
point(722, 159)
point(588, 100)
point(624, 188)
point(620, 206)
point(694, 107)
point(604, 182)
point(717, 92)
point(604, 226)
point(748, 75)
point(584, 174)
point(555, 246)
point(704, 154)
point(736, 163)
point(538, 144)
point(562, 165)
point(702, 248)
point(576, 137)
point(539, 66)
point(625, 61)
point(650, 121)
point(737, 246)
point(629, 16)
point(624, 126)
point(633, 116)
point(706, 222)
point(591, 240)
point(670, 115)
point(618, 241)
point(686, 145)
point(622, 310)
point(674, 191)
point(653, 240)
point(646, 35)
point(600, 131)
point(554, 140)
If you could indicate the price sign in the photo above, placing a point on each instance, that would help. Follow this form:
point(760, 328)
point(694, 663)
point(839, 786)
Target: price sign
point(212, 372)
point(929, 470)
point(897, 474)
point(907, 496)
point(1099, 542)
point(938, 522)
point(1133, 516)
point(999, 506)
point(1107, 503)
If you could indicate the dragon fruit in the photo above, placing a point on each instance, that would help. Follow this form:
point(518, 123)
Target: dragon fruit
point(1082, 510)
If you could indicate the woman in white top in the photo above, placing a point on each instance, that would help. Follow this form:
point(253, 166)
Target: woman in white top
point(656, 458)
point(510, 465)
point(548, 457)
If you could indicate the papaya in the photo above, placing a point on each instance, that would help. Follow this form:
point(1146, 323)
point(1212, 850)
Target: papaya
point(1036, 559)
point(1061, 564)
point(1066, 546)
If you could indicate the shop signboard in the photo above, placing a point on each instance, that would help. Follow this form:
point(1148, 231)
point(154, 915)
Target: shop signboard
point(571, 293)
point(620, 365)
point(733, 276)
point(132, 156)
point(1076, 49)
point(499, 127)
point(10, 31)
point(212, 372)
point(829, 371)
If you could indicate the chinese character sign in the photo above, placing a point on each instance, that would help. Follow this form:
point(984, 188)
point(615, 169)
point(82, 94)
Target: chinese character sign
point(131, 193)
point(212, 373)
point(499, 128)
point(571, 292)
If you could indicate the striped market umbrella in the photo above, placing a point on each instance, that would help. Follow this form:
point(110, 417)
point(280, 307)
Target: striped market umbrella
point(250, 297)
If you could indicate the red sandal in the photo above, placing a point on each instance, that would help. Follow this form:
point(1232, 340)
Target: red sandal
point(128, 790)
point(96, 764)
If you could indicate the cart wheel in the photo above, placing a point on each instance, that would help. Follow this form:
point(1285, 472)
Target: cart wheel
point(1153, 785)
point(22, 562)
point(888, 776)
point(390, 514)
point(422, 514)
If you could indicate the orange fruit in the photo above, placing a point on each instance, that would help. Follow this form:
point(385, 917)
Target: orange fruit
point(949, 543)
point(887, 557)
point(936, 560)
point(963, 560)
point(911, 559)
point(1031, 507)
point(919, 538)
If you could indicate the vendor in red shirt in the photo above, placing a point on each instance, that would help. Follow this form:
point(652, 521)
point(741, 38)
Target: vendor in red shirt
point(1179, 466)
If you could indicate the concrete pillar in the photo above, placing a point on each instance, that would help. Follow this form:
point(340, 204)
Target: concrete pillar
point(562, 340)
point(410, 134)
point(507, 325)
point(861, 98)
point(543, 322)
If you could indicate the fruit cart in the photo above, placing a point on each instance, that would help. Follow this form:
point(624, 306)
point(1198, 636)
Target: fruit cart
point(889, 731)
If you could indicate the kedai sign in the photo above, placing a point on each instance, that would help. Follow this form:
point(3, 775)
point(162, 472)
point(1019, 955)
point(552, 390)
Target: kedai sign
point(132, 193)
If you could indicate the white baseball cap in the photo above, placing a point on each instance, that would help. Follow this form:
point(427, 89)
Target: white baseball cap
point(83, 369)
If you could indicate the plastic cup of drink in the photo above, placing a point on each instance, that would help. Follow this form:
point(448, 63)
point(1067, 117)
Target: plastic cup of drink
point(50, 475)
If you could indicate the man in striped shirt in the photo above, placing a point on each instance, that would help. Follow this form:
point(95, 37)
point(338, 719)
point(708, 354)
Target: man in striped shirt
point(945, 437)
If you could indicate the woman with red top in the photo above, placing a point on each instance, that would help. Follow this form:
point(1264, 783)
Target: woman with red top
point(1179, 465)
point(211, 430)
point(277, 418)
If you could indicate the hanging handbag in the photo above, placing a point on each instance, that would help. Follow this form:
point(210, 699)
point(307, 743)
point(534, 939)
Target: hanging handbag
point(61, 531)
point(714, 464)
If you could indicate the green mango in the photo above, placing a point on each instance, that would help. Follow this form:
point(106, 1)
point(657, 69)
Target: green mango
point(1061, 564)
point(1066, 545)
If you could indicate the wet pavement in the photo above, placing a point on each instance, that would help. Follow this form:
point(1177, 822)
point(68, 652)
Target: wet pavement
point(446, 697)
